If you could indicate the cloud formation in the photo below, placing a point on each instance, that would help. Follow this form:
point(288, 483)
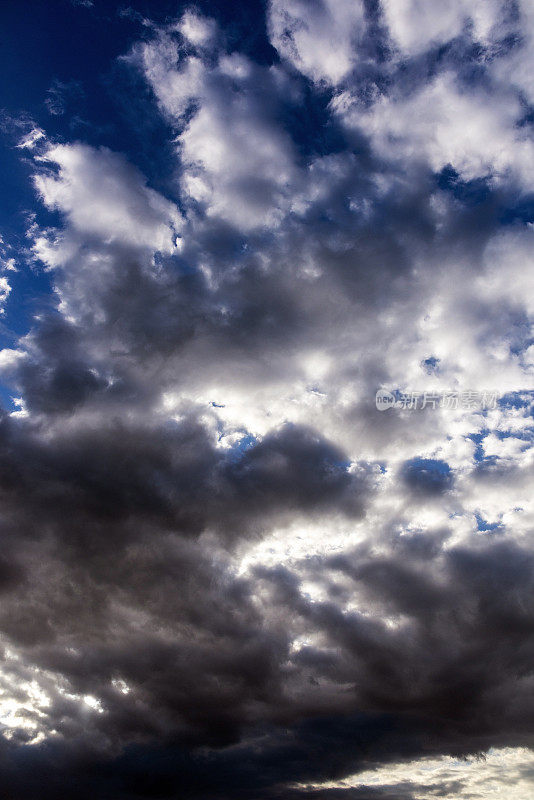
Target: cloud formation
point(225, 573)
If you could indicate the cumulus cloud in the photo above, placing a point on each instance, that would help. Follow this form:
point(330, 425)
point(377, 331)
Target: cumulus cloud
point(321, 39)
point(446, 125)
point(196, 29)
point(105, 197)
point(438, 24)
point(224, 571)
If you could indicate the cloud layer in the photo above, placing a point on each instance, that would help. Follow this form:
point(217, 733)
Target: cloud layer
point(225, 573)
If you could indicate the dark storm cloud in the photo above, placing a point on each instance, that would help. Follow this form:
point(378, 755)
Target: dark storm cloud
point(120, 598)
point(103, 519)
point(172, 475)
point(171, 771)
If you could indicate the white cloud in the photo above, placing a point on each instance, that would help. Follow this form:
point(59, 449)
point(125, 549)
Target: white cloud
point(473, 130)
point(516, 67)
point(504, 774)
point(175, 78)
point(416, 25)
point(9, 358)
point(236, 163)
point(30, 139)
point(196, 29)
point(5, 290)
point(509, 272)
point(321, 39)
point(104, 196)
point(9, 265)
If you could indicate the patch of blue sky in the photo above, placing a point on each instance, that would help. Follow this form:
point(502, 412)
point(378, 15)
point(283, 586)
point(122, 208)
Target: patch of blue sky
point(240, 447)
point(478, 438)
point(488, 527)
point(523, 399)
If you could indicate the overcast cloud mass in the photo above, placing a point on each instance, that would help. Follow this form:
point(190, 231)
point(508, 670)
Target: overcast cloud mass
point(225, 574)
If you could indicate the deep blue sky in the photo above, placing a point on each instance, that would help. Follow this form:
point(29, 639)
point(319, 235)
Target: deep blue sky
point(46, 44)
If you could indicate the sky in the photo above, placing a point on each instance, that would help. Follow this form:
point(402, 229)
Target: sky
point(267, 387)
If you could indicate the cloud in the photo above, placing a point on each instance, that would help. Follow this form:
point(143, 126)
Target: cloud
point(104, 196)
point(58, 94)
point(5, 291)
point(29, 141)
point(224, 572)
point(441, 24)
point(198, 30)
point(236, 163)
point(445, 125)
point(321, 39)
